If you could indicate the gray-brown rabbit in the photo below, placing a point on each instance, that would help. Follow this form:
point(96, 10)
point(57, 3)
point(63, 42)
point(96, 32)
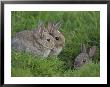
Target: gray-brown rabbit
point(58, 37)
point(37, 42)
point(84, 56)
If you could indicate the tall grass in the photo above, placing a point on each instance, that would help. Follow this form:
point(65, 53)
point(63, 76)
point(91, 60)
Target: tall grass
point(77, 27)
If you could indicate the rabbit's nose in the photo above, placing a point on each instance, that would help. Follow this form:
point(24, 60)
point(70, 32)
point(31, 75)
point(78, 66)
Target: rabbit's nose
point(76, 63)
point(48, 40)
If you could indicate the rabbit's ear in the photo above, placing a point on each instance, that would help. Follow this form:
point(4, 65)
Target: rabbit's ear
point(50, 27)
point(57, 25)
point(38, 32)
point(83, 48)
point(41, 31)
point(92, 51)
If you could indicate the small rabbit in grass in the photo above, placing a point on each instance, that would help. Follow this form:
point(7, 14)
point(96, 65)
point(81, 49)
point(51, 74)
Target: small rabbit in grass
point(58, 38)
point(84, 56)
point(37, 42)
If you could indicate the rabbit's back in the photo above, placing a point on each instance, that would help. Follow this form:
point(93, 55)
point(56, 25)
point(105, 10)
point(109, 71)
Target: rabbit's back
point(25, 35)
point(22, 40)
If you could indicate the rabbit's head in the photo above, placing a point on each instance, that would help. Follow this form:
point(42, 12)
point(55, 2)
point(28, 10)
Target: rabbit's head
point(84, 56)
point(58, 37)
point(42, 37)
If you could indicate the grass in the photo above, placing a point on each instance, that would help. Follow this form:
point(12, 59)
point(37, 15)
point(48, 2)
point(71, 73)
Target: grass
point(77, 27)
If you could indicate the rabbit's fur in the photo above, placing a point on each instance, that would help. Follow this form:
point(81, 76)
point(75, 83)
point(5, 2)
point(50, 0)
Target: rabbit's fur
point(84, 56)
point(37, 42)
point(58, 37)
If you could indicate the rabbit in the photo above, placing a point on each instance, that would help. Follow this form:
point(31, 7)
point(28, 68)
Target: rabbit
point(38, 42)
point(84, 56)
point(58, 36)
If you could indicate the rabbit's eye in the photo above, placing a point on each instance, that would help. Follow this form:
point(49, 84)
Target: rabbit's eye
point(84, 61)
point(48, 40)
point(57, 38)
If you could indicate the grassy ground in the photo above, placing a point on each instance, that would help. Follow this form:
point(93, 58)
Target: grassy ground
point(77, 27)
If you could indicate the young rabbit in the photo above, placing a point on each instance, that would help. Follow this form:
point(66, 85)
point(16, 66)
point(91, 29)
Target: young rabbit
point(37, 42)
point(84, 56)
point(58, 36)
